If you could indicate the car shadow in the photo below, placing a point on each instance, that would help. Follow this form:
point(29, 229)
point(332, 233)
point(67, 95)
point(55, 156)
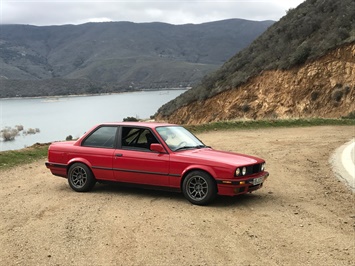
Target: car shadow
point(250, 199)
point(137, 190)
point(246, 200)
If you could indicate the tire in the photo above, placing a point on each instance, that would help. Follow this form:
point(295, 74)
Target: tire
point(80, 177)
point(199, 188)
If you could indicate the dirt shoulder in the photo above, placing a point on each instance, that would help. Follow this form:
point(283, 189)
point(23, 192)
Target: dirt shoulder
point(302, 216)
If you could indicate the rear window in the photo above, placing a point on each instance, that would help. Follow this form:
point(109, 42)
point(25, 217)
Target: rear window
point(103, 137)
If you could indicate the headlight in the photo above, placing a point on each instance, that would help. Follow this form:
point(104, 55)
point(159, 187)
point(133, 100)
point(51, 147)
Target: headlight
point(237, 172)
point(244, 170)
point(262, 166)
point(241, 171)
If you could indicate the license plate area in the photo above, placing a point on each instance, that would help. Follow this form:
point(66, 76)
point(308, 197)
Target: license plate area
point(257, 181)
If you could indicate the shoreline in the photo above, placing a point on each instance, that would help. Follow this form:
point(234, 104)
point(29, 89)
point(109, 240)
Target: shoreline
point(90, 94)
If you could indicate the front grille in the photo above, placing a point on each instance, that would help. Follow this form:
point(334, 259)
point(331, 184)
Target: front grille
point(253, 169)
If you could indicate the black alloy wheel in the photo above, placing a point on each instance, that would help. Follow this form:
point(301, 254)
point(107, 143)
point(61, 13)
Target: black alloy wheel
point(199, 188)
point(80, 177)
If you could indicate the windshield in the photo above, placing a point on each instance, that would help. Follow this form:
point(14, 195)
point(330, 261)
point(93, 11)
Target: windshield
point(178, 138)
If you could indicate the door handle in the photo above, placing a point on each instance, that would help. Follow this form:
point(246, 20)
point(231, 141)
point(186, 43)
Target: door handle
point(118, 155)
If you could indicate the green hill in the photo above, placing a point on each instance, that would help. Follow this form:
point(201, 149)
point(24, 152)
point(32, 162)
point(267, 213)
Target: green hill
point(306, 33)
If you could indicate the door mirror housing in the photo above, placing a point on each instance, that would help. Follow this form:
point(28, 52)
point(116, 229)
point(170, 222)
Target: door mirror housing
point(157, 147)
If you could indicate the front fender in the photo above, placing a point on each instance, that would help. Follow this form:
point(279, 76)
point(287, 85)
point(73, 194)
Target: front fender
point(205, 168)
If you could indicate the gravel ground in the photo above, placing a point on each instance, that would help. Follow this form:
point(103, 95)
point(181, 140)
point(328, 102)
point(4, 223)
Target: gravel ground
point(302, 216)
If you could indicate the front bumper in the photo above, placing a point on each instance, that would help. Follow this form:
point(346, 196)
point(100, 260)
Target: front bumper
point(233, 187)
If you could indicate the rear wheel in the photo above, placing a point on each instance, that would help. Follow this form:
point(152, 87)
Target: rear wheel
point(199, 188)
point(80, 178)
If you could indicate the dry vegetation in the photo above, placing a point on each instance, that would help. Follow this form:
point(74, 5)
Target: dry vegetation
point(10, 133)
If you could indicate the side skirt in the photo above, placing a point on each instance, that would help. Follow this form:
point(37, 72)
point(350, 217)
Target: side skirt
point(131, 185)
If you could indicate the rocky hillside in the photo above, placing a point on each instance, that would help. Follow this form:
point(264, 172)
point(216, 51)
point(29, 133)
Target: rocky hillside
point(115, 56)
point(322, 88)
point(302, 66)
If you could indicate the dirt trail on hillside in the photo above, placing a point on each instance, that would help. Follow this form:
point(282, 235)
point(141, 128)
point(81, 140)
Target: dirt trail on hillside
point(302, 216)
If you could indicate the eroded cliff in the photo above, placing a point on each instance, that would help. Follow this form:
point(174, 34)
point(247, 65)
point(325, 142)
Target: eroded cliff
point(321, 88)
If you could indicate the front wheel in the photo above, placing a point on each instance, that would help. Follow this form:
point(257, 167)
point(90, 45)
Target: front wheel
point(80, 177)
point(199, 188)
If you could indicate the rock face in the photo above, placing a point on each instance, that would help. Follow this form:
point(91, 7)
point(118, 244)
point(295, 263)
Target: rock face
point(322, 88)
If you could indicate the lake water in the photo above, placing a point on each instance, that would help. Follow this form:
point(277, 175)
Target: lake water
point(59, 117)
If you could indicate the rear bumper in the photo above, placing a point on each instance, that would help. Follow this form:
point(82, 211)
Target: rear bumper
point(241, 186)
point(57, 169)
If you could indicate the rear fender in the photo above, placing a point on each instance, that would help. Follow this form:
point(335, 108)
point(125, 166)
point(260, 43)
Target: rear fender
point(79, 160)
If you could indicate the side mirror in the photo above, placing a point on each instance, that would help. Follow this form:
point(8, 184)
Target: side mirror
point(157, 148)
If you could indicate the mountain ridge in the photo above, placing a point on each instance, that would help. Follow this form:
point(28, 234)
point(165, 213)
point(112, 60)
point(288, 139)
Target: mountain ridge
point(115, 56)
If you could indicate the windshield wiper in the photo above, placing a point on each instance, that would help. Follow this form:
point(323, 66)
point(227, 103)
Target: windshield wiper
point(191, 147)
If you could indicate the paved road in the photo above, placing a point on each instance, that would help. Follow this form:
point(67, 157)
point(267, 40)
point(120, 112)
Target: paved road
point(344, 163)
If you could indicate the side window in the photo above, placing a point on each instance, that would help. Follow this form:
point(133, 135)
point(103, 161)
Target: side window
point(103, 137)
point(137, 138)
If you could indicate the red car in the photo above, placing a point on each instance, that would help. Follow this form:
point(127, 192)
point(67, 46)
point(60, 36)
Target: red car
point(157, 155)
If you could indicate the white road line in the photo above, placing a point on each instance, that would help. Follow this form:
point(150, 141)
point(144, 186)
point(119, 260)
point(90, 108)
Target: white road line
point(346, 158)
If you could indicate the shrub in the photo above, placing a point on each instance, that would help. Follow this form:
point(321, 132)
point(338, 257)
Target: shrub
point(130, 119)
point(30, 131)
point(245, 108)
point(19, 127)
point(346, 90)
point(337, 95)
point(301, 55)
point(314, 95)
point(9, 133)
point(351, 115)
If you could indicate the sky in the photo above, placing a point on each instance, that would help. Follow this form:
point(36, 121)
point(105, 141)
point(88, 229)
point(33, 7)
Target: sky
point(60, 12)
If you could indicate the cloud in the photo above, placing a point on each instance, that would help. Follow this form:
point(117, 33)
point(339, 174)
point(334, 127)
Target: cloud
point(59, 12)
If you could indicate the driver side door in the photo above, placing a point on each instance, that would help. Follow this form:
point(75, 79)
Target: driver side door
point(134, 162)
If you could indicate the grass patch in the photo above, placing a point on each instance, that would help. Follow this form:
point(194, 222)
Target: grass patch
point(10, 159)
point(271, 123)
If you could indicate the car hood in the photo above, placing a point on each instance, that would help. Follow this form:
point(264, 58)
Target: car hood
point(211, 155)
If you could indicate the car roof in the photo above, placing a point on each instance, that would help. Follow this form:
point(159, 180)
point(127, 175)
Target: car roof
point(139, 124)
